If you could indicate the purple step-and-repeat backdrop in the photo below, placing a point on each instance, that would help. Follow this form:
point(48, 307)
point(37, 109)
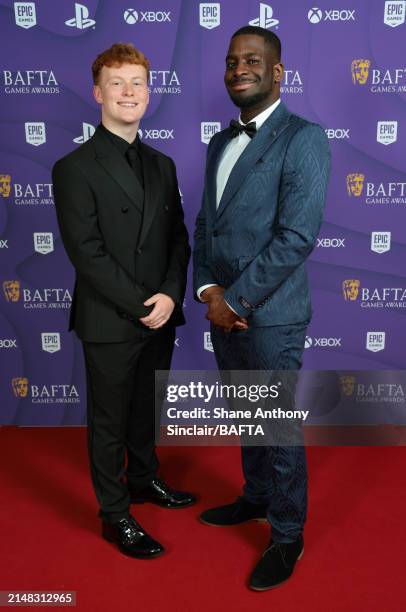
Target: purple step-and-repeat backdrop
point(345, 67)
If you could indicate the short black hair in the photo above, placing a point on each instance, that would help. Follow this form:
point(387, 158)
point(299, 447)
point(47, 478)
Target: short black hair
point(269, 37)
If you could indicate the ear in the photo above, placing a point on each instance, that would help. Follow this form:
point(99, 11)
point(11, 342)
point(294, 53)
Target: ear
point(97, 94)
point(278, 72)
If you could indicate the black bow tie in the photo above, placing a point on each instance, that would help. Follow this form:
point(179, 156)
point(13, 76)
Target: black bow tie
point(236, 128)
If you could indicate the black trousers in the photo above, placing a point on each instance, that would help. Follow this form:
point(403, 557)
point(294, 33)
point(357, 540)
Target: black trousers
point(121, 413)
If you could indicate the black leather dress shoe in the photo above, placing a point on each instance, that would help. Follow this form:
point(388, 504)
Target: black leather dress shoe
point(276, 565)
point(159, 493)
point(131, 539)
point(238, 512)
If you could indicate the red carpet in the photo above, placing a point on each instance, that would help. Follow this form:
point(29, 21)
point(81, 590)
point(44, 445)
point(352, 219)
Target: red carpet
point(355, 538)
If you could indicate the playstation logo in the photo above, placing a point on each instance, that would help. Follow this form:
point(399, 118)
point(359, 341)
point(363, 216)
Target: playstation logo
point(81, 19)
point(265, 19)
point(87, 132)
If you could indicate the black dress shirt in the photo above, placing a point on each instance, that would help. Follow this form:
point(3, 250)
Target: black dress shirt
point(131, 151)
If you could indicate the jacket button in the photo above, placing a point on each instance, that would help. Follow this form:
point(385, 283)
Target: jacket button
point(166, 207)
point(125, 209)
point(139, 251)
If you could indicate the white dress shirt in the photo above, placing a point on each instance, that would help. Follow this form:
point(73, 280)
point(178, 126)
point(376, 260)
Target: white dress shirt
point(229, 158)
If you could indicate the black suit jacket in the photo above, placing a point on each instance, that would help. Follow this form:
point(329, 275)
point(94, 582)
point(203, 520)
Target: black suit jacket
point(122, 255)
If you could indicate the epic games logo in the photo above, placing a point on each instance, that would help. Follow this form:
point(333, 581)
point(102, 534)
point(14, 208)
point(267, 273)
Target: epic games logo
point(209, 15)
point(25, 14)
point(395, 12)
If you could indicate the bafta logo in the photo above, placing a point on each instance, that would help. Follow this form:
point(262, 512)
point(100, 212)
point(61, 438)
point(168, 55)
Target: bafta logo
point(20, 386)
point(347, 385)
point(351, 289)
point(11, 290)
point(360, 71)
point(5, 185)
point(355, 184)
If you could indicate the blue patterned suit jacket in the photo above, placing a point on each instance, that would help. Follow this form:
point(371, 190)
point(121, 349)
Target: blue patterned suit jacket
point(256, 243)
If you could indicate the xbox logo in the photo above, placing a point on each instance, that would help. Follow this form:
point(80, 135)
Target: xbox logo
point(315, 15)
point(140, 134)
point(130, 16)
point(308, 342)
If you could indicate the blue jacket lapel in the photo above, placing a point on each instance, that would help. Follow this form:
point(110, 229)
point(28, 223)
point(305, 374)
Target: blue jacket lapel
point(266, 135)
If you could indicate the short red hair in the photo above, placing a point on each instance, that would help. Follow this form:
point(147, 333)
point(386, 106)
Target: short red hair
point(117, 55)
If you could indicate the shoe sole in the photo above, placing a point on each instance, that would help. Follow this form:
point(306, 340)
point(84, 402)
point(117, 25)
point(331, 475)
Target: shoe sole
point(257, 520)
point(275, 586)
point(128, 554)
point(147, 501)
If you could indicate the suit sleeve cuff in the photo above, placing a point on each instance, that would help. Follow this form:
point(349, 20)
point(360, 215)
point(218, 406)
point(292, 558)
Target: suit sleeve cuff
point(202, 288)
point(231, 308)
point(238, 304)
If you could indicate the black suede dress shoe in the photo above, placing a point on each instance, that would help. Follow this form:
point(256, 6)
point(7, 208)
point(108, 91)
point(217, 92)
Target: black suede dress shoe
point(276, 565)
point(131, 539)
point(159, 493)
point(238, 512)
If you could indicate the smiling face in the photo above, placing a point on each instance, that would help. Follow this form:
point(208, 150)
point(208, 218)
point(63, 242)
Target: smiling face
point(253, 74)
point(122, 92)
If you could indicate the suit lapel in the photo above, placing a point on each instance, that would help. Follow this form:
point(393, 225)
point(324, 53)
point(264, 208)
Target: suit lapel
point(152, 186)
point(212, 166)
point(266, 136)
point(117, 167)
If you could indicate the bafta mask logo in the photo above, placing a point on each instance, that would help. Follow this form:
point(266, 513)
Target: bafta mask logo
point(5, 185)
point(351, 289)
point(355, 184)
point(347, 385)
point(360, 71)
point(11, 290)
point(20, 386)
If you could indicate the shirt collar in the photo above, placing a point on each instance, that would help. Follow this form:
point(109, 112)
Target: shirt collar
point(121, 144)
point(262, 117)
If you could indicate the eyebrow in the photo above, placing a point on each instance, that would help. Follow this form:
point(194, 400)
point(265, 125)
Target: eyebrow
point(121, 77)
point(249, 54)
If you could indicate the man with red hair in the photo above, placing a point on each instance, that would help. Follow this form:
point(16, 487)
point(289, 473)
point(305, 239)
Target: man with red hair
point(121, 222)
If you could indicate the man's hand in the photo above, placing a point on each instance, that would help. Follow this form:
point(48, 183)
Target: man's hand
point(219, 313)
point(163, 308)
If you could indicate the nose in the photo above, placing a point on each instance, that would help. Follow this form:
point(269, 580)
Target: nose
point(128, 89)
point(240, 68)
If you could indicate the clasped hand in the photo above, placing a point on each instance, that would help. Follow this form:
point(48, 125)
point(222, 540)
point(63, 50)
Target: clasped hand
point(219, 313)
point(163, 306)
